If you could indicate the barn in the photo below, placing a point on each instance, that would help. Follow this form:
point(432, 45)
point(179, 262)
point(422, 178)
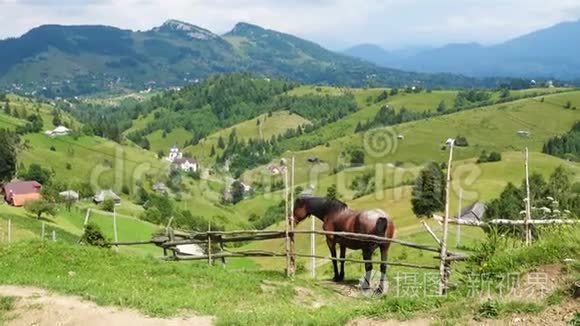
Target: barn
point(20, 192)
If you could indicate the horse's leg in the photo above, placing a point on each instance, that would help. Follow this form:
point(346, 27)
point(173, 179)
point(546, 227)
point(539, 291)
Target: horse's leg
point(342, 256)
point(384, 253)
point(365, 283)
point(332, 246)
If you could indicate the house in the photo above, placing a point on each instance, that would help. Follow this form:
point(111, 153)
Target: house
point(107, 194)
point(174, 154)
point(313, 159)
point(160, 187)
point(473, 213)
point(523, 133)
point(449, 141)
point(401, 137)
point(246, 186)
point(58, 131)
point(275, 169)
point(186, 164)
point(20, 192)
point(69, 195)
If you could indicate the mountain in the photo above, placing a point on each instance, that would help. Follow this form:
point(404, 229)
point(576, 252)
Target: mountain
point(373, 53)
point(61, 60)
point(553, 52)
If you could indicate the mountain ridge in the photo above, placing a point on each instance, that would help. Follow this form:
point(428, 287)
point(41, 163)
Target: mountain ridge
point(547, 53)
point(61, 60)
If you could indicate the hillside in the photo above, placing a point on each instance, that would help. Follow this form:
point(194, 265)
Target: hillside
point(546, 53)
point(56, 60)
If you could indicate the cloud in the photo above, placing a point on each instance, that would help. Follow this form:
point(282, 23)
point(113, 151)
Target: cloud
point(335, 23)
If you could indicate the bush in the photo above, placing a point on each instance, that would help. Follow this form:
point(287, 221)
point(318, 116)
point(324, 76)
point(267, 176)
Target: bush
point(93, 236)
point(52, 149)
point(461, 141)
point(108, 205)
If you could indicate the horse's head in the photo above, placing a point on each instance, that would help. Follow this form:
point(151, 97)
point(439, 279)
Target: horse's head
point(301, 210)
point(317, 206)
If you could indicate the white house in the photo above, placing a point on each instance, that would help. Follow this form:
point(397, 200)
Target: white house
point(58, 131)
point(174, 154)
point(186, 164)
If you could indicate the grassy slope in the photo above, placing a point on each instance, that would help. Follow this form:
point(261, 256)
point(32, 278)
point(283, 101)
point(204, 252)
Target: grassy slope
point(491, 128)
point(479, 182)
point(277, 124)
point(244, 297)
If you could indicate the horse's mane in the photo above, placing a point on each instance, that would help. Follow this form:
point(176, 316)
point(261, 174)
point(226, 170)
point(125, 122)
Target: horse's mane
point(321, 206)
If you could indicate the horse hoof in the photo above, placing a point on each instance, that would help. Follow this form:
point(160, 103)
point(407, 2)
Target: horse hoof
point(379, 291)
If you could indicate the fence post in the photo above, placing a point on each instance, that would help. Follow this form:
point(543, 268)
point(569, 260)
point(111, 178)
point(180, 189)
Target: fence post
point(287, 220)
point(115, 234)
point(209, 243)
point(527, 230)
point(87, 215)
point(443, 275)
point(54, 235)
point(9, 230)
point(458, 236)
point(292, 244)
point(42, 233)
point(313, 247)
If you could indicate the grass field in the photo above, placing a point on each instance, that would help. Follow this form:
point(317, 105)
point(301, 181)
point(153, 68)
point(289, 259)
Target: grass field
point(240, 297)
point(269, 126)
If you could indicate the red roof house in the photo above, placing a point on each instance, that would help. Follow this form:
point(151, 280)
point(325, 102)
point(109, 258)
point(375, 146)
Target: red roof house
point(20, 192)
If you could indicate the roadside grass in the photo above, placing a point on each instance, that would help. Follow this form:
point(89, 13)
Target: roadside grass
point(240, 296)
point(495, 309)
point(165, 288)
point(6, 305)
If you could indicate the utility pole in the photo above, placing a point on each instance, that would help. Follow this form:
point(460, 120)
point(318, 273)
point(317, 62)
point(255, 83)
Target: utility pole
point(528, 201)
point(443, 264)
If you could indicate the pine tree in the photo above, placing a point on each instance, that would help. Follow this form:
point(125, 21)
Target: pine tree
point(428, 195)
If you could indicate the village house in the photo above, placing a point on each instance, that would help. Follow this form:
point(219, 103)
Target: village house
point(105, 195)
point(69, 195)
point(174, 154)
point(58, 131)
point(20, 192)
point(186, 164)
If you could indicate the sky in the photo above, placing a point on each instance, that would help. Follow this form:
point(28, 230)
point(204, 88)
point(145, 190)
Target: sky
point(336, 24)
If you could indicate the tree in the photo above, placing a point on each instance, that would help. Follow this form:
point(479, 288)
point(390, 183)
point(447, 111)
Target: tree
point(8, 142)
point(212, 152)
point(221, 143)
point(441, 107)
point(428, 195)
point(237, 191)
point(508, 206)
point(108, 205)
point(39, 207)
point(331, 192)
point(93, 236)
point(568, 105)
point(7, 109)
point(85, 190)
point(505, 93)
point(357, 157)
point(37, 173)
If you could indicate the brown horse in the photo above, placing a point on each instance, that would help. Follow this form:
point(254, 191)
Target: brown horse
point(336, 216)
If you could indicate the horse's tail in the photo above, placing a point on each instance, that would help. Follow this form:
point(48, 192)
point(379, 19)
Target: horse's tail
point(381, 226)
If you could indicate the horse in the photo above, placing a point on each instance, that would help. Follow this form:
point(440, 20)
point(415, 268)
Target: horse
point(336, 216)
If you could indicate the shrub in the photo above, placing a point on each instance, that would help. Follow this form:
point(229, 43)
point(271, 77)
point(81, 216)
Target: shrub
point(108, 205)
point(93, 236)
point(52, 149)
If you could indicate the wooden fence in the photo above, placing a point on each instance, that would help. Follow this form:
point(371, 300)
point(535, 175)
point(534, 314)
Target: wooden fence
point(216, 239)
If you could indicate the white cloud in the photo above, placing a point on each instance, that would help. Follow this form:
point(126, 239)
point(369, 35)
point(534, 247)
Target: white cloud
point(336, 23)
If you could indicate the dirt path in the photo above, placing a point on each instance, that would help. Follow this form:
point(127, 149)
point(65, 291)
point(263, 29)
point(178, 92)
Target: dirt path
point(39, 307)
